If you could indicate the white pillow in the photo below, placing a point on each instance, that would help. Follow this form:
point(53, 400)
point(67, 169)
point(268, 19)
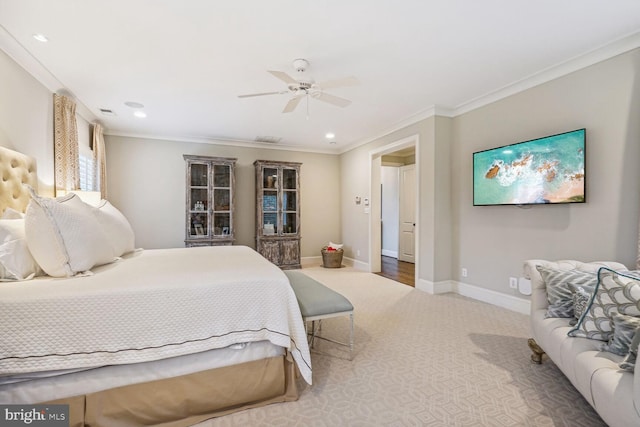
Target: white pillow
point(117, 227)
point(65, 236)
point(16, 262)
point(10, 213)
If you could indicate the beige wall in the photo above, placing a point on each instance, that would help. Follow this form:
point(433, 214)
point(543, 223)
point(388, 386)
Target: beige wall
point(434, 222)
point(146, 181)
point(26, 119)
point(493, 241)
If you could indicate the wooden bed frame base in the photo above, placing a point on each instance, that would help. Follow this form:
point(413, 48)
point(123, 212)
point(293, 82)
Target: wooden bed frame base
point(189, 399)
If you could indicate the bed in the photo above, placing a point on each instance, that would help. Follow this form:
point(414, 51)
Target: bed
point(157, 337)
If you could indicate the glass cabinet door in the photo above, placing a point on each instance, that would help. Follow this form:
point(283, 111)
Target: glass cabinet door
point(289, 201)
point(199, 200)
point(221, 200)
point(270, 201)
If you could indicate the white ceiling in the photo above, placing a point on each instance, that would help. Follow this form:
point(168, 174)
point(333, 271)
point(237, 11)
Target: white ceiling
point(188, 60)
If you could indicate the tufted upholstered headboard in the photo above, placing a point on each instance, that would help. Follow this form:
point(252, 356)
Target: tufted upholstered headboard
point(16, 169)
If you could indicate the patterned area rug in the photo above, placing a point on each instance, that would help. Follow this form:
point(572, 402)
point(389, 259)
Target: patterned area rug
point(423, 360)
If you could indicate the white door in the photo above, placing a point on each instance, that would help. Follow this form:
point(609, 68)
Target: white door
point(407, 243)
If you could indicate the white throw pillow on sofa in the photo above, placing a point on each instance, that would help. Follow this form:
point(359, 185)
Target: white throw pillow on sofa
point(65, 236)
point(117, 228)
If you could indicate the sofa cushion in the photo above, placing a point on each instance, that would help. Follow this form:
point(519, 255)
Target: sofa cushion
point(616, 292)
point(612, 392)
point(558, 292)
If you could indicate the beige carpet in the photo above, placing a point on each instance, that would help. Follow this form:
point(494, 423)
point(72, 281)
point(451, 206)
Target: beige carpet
point(424, 360)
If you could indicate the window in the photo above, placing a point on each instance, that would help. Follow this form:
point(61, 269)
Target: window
point(87, 170)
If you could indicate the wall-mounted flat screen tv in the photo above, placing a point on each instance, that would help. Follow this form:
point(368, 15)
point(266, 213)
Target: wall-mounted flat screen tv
point(541, 171)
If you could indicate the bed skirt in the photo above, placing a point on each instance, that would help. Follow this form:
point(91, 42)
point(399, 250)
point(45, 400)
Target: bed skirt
point(189, 399)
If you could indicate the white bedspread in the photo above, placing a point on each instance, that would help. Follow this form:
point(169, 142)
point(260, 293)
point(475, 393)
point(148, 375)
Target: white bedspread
point(152, 305)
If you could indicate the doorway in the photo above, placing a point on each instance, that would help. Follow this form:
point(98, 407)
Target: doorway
point(394, 233)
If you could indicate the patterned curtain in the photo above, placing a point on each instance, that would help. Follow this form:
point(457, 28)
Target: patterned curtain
point(65, 144)
point(100, 158)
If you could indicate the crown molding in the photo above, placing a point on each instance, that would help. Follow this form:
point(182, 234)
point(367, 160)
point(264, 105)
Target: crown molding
point(22, 57)
point(223, 141)
point(434, 110)
point(599, 54)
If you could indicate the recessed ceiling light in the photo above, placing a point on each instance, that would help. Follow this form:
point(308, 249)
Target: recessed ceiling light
point(330, 135)
point(140, 114)
point(40, 37)
point(133, 104)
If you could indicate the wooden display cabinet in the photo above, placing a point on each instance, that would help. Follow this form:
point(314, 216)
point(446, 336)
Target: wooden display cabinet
point(278, 212)
point(209, 200)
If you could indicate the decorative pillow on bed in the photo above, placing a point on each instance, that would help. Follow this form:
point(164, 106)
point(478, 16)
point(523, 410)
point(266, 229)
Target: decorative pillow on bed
point(581, 298)
point(615, 293)
point(117, 228)
point(65, 236)
point(624, 329)
point(558, 292)
point(16, 262)
point(629, 362)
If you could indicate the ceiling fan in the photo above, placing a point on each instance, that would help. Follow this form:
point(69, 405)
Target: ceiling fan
point(303, 86)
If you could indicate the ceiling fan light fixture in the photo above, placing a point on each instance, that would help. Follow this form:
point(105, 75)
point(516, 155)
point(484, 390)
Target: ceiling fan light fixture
point(305, 86)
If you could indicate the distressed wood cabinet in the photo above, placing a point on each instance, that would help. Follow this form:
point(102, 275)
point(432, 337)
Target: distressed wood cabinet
point(209, 200)
point(278, 212)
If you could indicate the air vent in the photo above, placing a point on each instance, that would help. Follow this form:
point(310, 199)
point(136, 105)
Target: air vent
point(107, 112)
point(268, 139)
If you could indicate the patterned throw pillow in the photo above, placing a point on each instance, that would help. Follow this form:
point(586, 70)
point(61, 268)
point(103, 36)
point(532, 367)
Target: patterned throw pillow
point(581, 298)
point(615, 293)
point(624, 329)
point(629, 362)
point(558, 293)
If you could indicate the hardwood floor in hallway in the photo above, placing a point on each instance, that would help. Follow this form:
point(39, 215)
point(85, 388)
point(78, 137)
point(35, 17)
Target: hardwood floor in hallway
point(400, 271)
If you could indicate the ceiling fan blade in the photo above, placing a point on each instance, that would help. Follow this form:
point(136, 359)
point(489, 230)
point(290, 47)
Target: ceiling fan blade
point(284, 77)
point(332, 99)
point(347, 81)
point(263, 94)
point(292, 104)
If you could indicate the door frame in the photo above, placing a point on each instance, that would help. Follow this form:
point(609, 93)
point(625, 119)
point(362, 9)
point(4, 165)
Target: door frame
point(375, 234)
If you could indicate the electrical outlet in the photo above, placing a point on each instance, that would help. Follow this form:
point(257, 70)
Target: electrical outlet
point(513, 282)
point(358, 252)
point(464, 272)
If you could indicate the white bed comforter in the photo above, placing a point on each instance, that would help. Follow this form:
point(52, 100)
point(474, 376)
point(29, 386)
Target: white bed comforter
point(152, 305)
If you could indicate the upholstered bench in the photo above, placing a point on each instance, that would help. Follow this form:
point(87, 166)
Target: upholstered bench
point(318, 302)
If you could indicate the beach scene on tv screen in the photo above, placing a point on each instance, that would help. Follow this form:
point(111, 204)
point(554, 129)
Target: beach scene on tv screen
point(546, 170)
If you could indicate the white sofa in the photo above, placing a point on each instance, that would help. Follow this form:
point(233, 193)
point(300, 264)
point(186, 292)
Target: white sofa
point(614, 393)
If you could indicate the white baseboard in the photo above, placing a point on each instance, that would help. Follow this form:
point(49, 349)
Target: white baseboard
point(392, 254)
point(359, 265)
point(435, 287)
point(509, 302)
point(476, 292)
